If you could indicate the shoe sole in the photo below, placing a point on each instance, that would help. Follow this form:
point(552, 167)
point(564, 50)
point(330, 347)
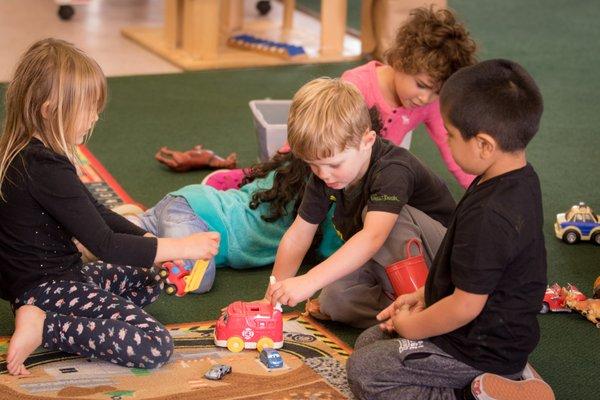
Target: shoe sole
point(495, 387)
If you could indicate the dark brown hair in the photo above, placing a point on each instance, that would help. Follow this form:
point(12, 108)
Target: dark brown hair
point(288, 184)
point(432, 42)
point(497, 97)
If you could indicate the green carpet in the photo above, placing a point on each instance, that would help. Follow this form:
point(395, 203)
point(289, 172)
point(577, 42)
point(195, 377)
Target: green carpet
point(557, 41)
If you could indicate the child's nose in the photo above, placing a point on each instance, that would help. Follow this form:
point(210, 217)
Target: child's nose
point(427, 97)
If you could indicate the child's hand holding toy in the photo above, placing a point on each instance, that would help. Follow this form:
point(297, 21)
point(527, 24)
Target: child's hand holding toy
point(291, 291)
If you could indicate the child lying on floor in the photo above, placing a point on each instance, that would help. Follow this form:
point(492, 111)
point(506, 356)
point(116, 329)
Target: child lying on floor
point(251, 220)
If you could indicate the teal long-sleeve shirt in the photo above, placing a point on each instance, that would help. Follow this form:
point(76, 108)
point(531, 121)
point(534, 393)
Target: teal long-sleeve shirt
point(247, 240)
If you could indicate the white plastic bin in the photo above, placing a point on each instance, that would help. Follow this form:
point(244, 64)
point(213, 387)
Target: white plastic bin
point(270, 121)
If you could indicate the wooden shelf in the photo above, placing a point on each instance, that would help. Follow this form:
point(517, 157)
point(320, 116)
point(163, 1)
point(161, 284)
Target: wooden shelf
point(195, 33)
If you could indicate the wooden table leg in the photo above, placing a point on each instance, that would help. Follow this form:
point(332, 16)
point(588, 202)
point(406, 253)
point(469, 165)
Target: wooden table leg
point(173, 20)
point(288, 14)
point(201, 20)
point(232, 16)
point(333, 26)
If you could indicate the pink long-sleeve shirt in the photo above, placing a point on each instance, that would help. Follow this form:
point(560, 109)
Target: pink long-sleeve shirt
point(397, 122)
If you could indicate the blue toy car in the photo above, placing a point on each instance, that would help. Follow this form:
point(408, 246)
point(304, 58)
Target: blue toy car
point(271, 358)
point(217, 372)
point(578, 223)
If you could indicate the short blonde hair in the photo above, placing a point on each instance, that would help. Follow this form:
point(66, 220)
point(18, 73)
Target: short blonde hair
point(327, 116)
point(56, 76)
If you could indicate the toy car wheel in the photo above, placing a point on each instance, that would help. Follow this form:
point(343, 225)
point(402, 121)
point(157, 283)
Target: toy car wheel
point(264, 343)
point(163, 272)
point(545, 308)
point(170, 289)
point(596, 238)
point(235, 344)
point(571, 237)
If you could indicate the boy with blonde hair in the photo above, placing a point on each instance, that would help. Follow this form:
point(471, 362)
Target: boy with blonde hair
point(383, 197)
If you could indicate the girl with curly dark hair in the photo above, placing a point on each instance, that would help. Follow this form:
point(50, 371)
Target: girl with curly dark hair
point(428, 48)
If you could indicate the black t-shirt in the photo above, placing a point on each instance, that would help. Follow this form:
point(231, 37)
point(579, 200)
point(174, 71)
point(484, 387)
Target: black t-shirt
point(47, 205)
point(394, 178)
point(495, 246)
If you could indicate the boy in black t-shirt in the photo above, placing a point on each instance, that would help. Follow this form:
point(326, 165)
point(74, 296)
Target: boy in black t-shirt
point(476, 315)
point(383, 197)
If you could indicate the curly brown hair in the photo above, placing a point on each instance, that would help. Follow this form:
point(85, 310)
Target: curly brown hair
point(288, 184)
point(432, 42)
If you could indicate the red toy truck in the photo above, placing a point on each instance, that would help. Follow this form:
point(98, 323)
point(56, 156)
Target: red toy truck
point(555, 298)
point(249, 325)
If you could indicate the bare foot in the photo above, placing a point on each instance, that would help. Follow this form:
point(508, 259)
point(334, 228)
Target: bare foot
point(29, 326)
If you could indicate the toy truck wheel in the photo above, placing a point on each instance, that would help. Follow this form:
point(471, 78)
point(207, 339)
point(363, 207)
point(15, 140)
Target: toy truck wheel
point(170, 289)
point(163, 272)
point(235, 344)
point(571, 237)
point(545, 308)
point(264, 343)
point(596, 238)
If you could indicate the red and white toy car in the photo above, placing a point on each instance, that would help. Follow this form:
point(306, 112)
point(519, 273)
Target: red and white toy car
point(556, 297)
point(249, 325)
point(181, 277)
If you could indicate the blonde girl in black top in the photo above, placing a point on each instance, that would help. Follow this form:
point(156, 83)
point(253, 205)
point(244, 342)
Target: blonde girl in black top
point(93, 309)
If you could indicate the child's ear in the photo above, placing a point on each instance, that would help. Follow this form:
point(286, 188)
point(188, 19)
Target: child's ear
point(45, 108)
point(486, 145)
point(368, 139)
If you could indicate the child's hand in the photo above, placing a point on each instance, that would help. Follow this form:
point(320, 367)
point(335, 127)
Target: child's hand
point(412, 302)
point(400, 315)
point(290, 291)
point(204, 245)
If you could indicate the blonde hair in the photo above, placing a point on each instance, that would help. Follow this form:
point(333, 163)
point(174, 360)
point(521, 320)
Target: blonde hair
point(55, 76)
point(434, 42)
point(327, 116)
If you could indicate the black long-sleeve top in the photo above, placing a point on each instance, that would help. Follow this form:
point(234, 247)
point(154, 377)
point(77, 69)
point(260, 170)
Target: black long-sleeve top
point(45, 206)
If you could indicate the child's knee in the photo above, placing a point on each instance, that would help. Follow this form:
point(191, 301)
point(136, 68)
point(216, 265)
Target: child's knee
point(360, 370)
point(160, 351)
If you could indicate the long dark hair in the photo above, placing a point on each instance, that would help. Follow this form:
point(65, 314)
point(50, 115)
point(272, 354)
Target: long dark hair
point(290, 179)
point(291, 174)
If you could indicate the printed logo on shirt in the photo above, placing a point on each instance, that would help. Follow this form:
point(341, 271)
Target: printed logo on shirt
point(383, 197)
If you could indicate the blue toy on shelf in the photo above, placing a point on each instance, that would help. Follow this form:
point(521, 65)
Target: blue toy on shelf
point(279, 49)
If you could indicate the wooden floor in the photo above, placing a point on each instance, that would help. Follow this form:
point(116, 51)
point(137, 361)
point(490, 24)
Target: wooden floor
point(96, 28)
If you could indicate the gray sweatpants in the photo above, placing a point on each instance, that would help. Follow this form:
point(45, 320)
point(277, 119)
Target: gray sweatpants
point(385, 366)
point(358, 297)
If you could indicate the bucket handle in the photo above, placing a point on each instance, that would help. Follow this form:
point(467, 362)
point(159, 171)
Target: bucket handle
point(416, 242)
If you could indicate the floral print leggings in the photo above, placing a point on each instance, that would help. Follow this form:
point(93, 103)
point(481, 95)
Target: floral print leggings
point(102, 317)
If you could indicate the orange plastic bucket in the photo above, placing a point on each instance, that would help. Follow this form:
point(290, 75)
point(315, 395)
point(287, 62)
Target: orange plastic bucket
point(409, 274)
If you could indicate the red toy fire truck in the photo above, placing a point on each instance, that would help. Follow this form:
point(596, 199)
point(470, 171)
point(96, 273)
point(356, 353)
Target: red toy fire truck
point(249, 325)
